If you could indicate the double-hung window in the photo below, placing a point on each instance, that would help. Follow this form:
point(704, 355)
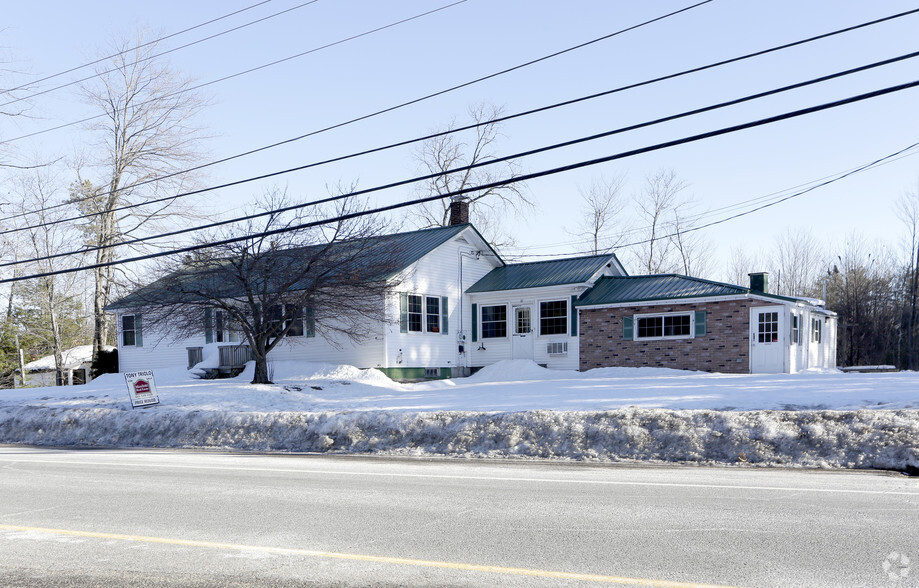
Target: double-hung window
point(415, 313)
point(816, 326)
point(494, 322)
point(553, 317)
point(794, 329)
point(295, 321)
point(432, 314)
point(128, 330)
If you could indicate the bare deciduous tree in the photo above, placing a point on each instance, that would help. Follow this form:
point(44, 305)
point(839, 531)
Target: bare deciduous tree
point(669, 242)
point(487, 208)
point(907, 209)
point(55, 296)
point(147, 133)
point(797, 262)
point(602, 218)
point(328, 281)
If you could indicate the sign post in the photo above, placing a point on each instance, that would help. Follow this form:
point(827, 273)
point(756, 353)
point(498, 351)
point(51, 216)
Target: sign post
point(141, 388)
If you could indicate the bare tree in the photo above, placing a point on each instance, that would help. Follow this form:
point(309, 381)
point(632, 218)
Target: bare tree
point(797, 262)
point(57, 297)
point(907, 209)
point(147, 133)
point(602, 216)
point(487, 208)
point(741, 264)
point(328, 281)
point(665, 244)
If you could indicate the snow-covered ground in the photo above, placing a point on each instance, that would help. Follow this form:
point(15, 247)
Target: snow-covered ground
point(509, 409)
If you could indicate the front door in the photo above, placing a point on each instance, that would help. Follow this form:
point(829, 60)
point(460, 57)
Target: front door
point(767, 340)
point(523, 332)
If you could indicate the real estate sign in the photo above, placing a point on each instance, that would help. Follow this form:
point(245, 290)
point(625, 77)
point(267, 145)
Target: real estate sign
point(141, 388)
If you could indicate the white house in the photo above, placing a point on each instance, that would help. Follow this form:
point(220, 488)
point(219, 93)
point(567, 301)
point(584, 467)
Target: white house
point(458, 306)
point(76, 369)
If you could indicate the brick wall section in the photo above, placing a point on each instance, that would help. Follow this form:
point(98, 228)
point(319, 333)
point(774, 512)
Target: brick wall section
point(724, 348)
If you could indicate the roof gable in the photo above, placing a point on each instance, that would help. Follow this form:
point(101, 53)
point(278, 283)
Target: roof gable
point(539, 274)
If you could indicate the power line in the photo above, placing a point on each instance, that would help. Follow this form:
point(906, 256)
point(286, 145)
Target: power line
point(496, 184)
point(251, 70)
point(493, 161)
point(151, 57)
point(142, 45)
point(496, 120)
point(876, 163)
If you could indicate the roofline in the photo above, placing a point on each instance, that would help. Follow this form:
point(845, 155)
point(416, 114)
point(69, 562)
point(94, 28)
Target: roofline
point(721, 298)
point(586, 284)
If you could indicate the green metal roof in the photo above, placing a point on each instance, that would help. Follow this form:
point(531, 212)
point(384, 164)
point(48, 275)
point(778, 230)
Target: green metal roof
point(393, 252)
point(615, 290)
point(577, 270)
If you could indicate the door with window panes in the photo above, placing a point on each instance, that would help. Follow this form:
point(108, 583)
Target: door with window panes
point(767, 340)
point(522, 335)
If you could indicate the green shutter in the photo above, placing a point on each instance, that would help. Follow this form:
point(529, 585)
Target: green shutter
point(310, 322)
point(444, 316)
point(700, 323)
point(475, 322)
point(138, 338)
point(208, 325)
point(627, 328)
point(574, 317)
point(403, 313)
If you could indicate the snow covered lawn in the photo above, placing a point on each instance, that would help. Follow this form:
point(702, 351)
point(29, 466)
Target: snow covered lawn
point(826, 419)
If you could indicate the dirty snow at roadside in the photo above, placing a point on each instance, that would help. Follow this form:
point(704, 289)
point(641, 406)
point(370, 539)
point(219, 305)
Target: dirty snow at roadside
point(508, 409)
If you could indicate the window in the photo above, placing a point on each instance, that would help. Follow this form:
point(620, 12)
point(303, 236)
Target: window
point(295, 321)
point(768, 327)
point(422, 314)
point(220, 323)
point(432, 315)
point(794, 329)
point(816, 325)
point(128, 332)
point(494, 322)
point(414, 313)
point(664, 326)
point(275, 313)
point(553, 317)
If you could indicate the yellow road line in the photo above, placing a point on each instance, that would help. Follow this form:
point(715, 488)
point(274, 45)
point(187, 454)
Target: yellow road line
point(368, 558)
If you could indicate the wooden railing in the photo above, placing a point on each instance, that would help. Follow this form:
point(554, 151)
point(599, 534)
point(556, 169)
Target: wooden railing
point(234, 356)
point(195, 356)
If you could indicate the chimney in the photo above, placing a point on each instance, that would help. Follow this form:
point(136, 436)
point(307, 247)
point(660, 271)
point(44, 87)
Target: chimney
point(759, 282)
point(459, 210)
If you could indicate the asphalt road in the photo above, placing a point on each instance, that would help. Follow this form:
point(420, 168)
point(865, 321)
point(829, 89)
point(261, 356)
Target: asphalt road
point(174, 518)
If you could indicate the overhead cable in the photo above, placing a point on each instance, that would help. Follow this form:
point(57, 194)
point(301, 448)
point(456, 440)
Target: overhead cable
point(487, 186)
point(492, 161)
point(135, 48)
point(151, 57)
point(495, 120)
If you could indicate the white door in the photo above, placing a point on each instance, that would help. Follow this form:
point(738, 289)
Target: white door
point(523, 332)
point(767, 340)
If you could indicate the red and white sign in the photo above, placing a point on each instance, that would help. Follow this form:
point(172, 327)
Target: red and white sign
point(141, 388)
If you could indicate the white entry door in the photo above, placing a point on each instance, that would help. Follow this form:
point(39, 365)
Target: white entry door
point(523, 332)
point(767, 340)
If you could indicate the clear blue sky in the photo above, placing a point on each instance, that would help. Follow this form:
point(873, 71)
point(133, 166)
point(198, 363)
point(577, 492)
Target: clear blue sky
point(479, 37)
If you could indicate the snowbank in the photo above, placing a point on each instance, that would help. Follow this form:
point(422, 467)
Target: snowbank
point(512, 410)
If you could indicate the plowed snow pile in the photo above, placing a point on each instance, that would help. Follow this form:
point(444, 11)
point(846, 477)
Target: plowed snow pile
point(825, 419)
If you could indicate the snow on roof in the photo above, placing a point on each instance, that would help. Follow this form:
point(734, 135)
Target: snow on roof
point(72, 358)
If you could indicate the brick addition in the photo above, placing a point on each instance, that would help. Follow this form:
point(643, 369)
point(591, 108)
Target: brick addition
point(724, 348)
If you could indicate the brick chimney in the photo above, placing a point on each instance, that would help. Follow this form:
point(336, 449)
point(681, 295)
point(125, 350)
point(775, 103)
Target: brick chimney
point(759, 282)
point(459, 210)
